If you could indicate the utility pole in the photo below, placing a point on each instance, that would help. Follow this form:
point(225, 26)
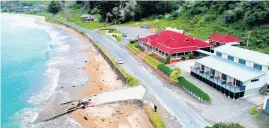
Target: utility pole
point(248, 38)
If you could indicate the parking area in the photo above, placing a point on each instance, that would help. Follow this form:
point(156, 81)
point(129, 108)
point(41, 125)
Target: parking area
point(221, 108)
point(183, 65)
point(133, 32)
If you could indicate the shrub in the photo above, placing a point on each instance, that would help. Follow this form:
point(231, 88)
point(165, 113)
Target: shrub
point(133, 41)
point(175, 75)
point(226, 125)
point(183, 57)
point(192, 88)
point(166, 70)
point(140, 47)
point(190, 55)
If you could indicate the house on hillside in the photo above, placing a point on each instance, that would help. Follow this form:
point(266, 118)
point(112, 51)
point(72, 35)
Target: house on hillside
point(223, 39)
point(234, 71)
point(87, 18)
point(171, 44)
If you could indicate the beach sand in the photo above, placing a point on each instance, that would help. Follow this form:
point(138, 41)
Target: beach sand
point(102, 78)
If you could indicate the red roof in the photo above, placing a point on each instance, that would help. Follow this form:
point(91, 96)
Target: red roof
point(224, 38)
point(174, 42)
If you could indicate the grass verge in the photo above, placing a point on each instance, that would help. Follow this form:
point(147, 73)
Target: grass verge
point(118, 39)
point(133, 48)
point(152, 61)
point(154, 117)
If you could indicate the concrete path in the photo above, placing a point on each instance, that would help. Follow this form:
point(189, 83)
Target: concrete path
point(134, 93)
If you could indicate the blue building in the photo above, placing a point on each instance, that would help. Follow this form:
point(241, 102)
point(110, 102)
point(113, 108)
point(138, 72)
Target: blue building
point(234, 71)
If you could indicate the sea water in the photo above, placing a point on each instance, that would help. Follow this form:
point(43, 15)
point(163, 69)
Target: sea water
point(36, 61)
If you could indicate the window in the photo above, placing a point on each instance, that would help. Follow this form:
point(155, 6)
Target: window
point(254, 80)
point(231, 58)
point(257, 66)
point(241, 61)
point(219, 54)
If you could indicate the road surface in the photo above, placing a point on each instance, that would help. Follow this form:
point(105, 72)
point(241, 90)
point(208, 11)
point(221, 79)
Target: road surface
point(172, 103)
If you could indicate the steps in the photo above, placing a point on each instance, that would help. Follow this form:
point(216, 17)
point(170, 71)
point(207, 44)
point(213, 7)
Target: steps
point(264, 90)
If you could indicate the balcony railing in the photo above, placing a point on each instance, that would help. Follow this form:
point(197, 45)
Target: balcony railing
point(216, 79)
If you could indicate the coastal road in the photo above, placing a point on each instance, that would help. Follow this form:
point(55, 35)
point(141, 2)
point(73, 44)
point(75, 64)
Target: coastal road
point(172, 103)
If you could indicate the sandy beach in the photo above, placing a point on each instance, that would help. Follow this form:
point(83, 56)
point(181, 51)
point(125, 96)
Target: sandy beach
point(102, 78)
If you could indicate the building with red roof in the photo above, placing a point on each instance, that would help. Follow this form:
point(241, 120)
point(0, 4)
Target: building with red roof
point(222, 39)
point(171, 44)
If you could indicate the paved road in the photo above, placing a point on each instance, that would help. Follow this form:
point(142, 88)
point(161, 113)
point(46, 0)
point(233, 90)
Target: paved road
point(133, 32)
point(173, 104)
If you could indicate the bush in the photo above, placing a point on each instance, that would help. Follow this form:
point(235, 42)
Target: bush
point(192, 88)
point(226, 125)
point(175, 75)
point(166, 70)
point(183, 57)
point(133, 41)
point(140, 47)
point(190, 55)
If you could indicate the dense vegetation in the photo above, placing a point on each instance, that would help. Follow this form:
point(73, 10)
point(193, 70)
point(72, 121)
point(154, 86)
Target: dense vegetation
point(193, 89)
point(198, 18)
point(226, 125)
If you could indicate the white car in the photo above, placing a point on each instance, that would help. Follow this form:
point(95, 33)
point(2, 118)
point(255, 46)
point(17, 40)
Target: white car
point(120, 61)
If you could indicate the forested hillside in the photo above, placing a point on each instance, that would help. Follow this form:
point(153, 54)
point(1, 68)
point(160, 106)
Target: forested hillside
point(238, 18)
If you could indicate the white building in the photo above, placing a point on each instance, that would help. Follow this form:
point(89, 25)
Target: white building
point(266, 104)
point(234, 71)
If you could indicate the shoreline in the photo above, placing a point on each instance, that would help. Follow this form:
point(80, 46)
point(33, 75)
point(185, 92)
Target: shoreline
point(103, 78)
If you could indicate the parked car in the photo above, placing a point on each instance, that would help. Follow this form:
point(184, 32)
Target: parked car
point(124, 35)
point(120, 61)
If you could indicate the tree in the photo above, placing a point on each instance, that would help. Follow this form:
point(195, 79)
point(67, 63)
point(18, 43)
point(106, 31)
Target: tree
point(226, 125)
point(54, 7)
point(116, 12)
point(175, 75)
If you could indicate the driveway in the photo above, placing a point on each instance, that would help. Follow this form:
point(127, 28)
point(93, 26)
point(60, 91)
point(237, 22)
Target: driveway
point(183, 65)
point(133, 32)
point(221, 108)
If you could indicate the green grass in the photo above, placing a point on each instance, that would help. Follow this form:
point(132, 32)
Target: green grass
point(194, 89)
point(133, 48)
point(152, 61)
point(89, 25)
point(254, 112)
point(154, 117)
point(118, 38)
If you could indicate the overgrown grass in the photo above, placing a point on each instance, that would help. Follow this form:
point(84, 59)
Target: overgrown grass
point(194, 89)
point(254, 112)
point(154, 117)
point(152, 61)
point(133, 48)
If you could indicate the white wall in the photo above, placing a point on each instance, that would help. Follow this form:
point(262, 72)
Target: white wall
point(256, 84)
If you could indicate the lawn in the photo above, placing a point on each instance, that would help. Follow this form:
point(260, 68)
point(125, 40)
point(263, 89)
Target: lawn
point(154, 117)
point(89, 25)
point(133, 48)
point(118, 38)
point(155, 63)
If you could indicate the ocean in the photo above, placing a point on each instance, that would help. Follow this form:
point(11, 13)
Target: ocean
point(37, 61)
